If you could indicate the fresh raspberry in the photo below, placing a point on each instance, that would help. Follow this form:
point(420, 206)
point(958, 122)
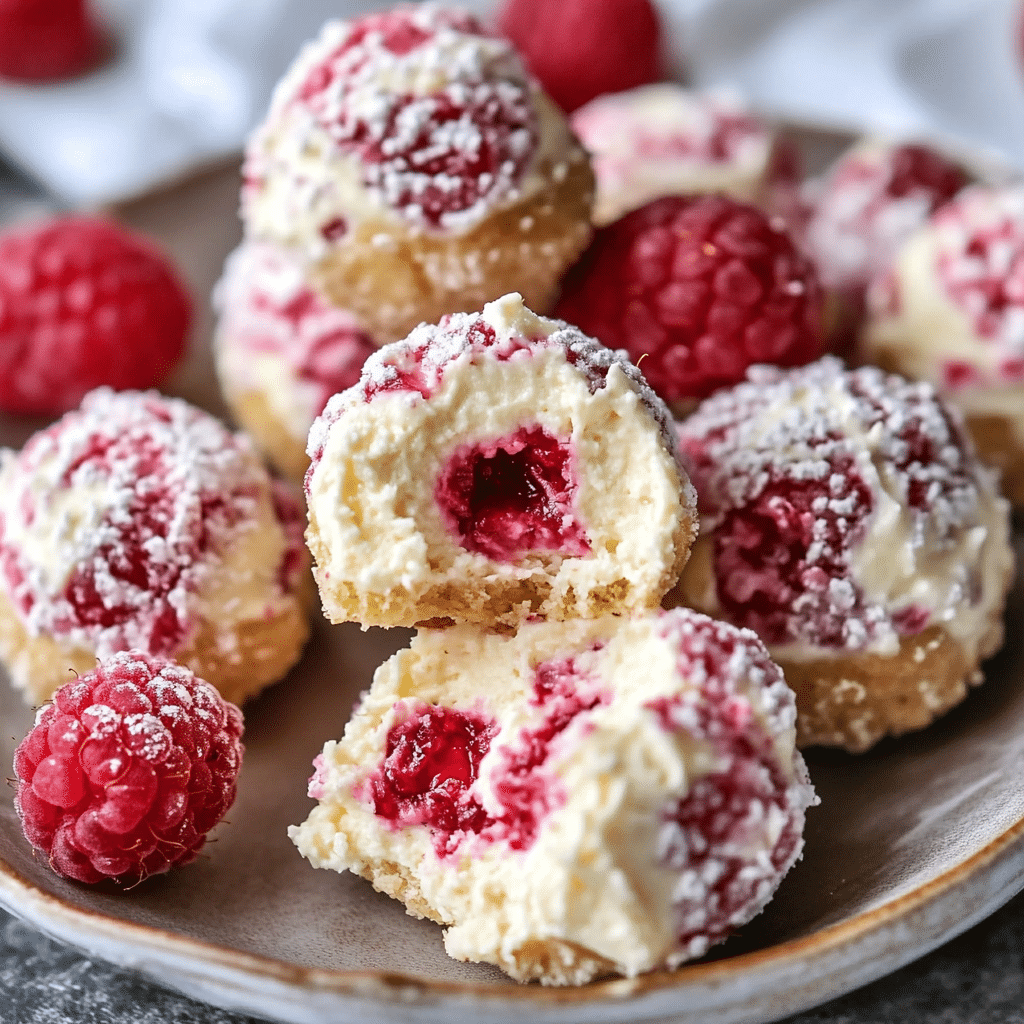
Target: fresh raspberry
point(700, 288)
point(582, 49)
point(127, 770)
point(43, 40)
point(84, 303)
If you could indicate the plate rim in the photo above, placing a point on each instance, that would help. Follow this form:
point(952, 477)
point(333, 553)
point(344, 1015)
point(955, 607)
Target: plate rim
point(396, 986)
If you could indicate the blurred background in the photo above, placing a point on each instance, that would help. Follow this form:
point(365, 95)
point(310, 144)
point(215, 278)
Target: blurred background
point(184, 81)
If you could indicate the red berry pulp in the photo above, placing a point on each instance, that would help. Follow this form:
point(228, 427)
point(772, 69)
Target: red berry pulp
point(433, 155)
point(508, 497)
point(433, 755)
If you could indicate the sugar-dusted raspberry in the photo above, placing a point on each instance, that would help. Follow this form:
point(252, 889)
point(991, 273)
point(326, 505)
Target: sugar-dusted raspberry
point(582, 49)
point(84, 303)
point(129, 768)
point(868, 204)
point(44, 40)
point(699, 288)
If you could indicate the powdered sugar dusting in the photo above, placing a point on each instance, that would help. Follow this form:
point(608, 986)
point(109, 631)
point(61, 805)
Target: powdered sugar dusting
point(131, 499)
point(790, 468)
point(268, 307)
point(979, 259)
point(739, 828)
point(418, 364)
point(440, 116)
point(867, 206)
point(626, 131)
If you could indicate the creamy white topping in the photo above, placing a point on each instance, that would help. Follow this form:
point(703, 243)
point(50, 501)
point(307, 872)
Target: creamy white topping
point(661, 140)
point(612, 734)
point(887, 522)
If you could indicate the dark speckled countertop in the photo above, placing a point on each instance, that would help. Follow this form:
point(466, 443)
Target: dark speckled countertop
point(977, 978)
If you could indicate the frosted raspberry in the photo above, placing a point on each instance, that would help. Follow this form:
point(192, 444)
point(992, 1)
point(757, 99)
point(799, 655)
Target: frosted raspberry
point(699, 288)
point(84, 303)
point(582, 49)
point(43, 40)
point(129, 768)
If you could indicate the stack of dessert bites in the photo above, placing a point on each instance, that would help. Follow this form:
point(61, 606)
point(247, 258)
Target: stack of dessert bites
point(571, 780)
point(409, 167)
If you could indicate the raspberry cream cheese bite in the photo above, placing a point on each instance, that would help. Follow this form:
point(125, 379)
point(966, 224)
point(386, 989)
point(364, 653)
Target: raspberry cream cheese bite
point(420, 167)
point(493, 467)
point(846, 519)
point(952, 312)
point(281, 350)
point(662, 140)
point(140, 522)
point(621, 794)
point(862, 210)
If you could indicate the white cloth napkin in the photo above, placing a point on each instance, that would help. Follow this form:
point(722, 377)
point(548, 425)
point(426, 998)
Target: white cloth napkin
point(191, 77)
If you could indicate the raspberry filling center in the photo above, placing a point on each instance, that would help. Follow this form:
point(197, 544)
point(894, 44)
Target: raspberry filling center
point(505, 498)
point(432, 760)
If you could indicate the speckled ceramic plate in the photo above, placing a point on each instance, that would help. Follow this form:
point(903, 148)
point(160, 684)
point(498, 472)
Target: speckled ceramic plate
point(912, 843)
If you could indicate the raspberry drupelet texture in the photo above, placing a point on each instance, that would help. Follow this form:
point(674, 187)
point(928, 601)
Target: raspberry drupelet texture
point(582, 49)
point(128, 770)
point(698, 288)
point(84, 303)
point(623, 795)
point(140, 522)
point(46, 41)
point(845, 518)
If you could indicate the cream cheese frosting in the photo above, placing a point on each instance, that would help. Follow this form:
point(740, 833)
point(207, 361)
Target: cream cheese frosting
point(279, 336)
point(620, 795)
point(140, 522)
point(415, 118)
point(496, 447)
point(660, 140)
point(846, 509)
point(952, 309)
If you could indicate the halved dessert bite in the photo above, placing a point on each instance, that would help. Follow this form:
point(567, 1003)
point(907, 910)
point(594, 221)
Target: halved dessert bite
point(281, 350)
point(140, 522)
point(493, 467)
point(420, 167)
point(582, 798)
point(845, 518)
point(951, 311)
